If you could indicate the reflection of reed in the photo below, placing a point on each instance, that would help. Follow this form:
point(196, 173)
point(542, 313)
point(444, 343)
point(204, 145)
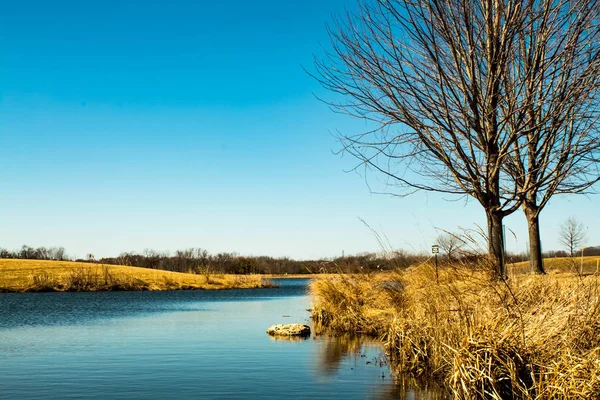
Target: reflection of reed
point(410, 387)
point(335, 349)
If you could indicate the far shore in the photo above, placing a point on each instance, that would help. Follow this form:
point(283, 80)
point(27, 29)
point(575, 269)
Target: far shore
point(297, 276)
point(18, 275)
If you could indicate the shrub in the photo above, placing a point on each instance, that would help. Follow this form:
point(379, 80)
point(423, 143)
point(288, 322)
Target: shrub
point(44, 281)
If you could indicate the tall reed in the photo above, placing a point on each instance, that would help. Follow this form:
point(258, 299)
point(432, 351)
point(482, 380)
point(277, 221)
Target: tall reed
point(532, 337)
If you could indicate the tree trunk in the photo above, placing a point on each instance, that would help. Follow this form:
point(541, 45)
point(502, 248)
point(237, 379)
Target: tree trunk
point(496, 242)
point(535, 244)
point(571, 245)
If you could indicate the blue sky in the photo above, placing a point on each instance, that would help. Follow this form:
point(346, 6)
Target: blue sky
point(127, 125)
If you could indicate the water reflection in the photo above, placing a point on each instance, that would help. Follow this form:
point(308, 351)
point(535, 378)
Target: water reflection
point(363, 353)
point(154, 345)
point(281, 338)
point(410, 388)
point(336, 349)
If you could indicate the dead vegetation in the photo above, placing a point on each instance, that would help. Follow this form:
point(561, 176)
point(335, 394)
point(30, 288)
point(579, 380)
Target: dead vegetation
point(45, 276)
point(531, 337)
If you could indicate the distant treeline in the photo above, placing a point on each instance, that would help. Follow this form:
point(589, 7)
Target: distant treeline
point(197, 260)
point(588, 251)
point(200, 261)
point(38, 253)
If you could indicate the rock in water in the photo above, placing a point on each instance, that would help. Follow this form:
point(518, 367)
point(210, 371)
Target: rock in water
point(289, 330)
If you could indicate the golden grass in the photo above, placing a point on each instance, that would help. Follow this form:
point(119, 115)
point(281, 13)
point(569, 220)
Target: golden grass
point(532, 337)
point(34, 275)
point(561, 264)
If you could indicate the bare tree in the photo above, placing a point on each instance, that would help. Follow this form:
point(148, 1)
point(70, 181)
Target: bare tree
point(450, 244)
point(58, 253)
point(572, 235)
point(441, 83)
point(555, 112)
point(124, 259)
point(152, 258)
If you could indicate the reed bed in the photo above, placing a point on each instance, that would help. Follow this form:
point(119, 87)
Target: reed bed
point(46, 276)
point(531, 337)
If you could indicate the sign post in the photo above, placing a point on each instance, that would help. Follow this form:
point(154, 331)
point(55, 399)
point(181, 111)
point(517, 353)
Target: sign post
point(435, 249)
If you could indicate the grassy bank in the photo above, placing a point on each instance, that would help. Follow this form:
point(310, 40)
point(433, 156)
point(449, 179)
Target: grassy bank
point(533, 337)
point(36, 276)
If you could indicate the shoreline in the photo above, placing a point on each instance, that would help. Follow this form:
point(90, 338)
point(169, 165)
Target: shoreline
point(298, 276)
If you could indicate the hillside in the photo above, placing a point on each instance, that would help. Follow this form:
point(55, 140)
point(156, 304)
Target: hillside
point(34, 275)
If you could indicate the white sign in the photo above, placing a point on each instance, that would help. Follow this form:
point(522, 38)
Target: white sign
point(435, 249)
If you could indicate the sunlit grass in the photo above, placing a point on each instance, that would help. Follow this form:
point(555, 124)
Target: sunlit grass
point(531, 337)
point(34, 275)
point(587, 265)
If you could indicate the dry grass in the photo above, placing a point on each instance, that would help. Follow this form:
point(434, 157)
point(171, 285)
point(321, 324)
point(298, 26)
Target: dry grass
point(34, 275)
point(532, 337)
point(562, 265)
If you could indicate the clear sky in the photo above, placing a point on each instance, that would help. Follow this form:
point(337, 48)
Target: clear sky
point(127, 125)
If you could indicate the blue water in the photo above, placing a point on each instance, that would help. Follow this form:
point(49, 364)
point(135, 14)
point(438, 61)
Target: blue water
point(195, 344)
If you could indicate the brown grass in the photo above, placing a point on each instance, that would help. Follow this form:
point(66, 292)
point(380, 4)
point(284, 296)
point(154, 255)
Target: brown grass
point(532, 337)
point(34, 275)
point(561, 265)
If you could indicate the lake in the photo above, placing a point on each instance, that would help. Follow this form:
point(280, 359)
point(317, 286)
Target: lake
point(200, 344)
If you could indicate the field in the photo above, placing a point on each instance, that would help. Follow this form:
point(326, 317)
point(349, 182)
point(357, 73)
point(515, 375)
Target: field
point(34, 275)
point(530, 337)
point(590, 265)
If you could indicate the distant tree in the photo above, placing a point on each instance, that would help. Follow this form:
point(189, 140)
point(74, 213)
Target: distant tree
point(572, 235)
point(123, 259)
point(57, 253)
point(4, 253)
point(592, 251)
point(152, 259)
point(27, 253)
point(450, 244)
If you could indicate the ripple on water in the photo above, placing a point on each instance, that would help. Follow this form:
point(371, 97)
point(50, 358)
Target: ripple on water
point(151, 345)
